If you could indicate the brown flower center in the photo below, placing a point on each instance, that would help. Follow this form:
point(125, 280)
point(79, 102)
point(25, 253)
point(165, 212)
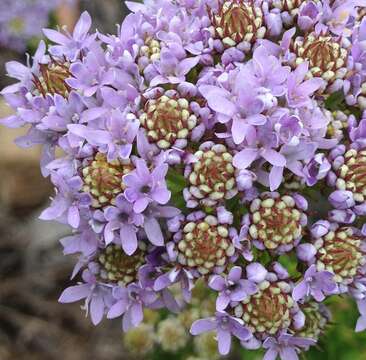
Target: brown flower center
point(103, 179)
point(341, 252)
point(167, 119)
point(213, 174)
point(204, 246)
point(275, 222)
point(315, 320)
point(238, 21)
point(267, 311)
point(117, 267)
point(326, 57)
point(52, 78)
point(352, 174)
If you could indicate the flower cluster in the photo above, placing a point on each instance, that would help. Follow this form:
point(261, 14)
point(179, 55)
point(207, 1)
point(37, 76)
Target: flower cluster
point(23, 20)
point(221, 142)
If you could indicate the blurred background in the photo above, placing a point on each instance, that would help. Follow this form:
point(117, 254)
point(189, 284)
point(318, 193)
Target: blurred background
point(33, 272)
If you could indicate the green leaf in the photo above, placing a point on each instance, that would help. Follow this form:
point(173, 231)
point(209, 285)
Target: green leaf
point(178, 201)
point(175, 181)
point(235, 206)
point(335, 101)
point(289, 262)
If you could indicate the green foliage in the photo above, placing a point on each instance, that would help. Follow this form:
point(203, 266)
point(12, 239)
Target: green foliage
point(176, 183)
point(237, 208)
point(336, 101)
point(290, 262)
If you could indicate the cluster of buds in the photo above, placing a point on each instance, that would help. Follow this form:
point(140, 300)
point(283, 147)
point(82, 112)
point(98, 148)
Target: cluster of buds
point(140, 340)
point(327, 57)
point(361, 98)
point(269, 310)
point(339, 124)
point(204, 244)
point(340, 250)
point(149, 52)
point(290, 7)
point(212, 177)
point(349, 172)
point(317, 317)
point(51, 78)
point(103, 179)
point(117, 267)
point(168, 119)
point(276, 222)
point(172, 336)
point(238, 21)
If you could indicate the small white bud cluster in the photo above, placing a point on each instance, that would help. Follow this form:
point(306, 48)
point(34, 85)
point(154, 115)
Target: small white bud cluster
point(205, 244)
point(212, 176)
point(117, 267)
point(316, 320)
point(269, 310)
point(103, 179)
point(140, 340)
point(326, 56)
point(168, 121)
point(206, 346)
point(150, 49)
point(237, 22)
point(341, 252)
point(352, 174)
point(292, 7)
point(338, 124)
point(361, 99)
point(171, 335)
point(276, 221)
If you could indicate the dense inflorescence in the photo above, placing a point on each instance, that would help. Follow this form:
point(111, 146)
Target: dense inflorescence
point(208, 142)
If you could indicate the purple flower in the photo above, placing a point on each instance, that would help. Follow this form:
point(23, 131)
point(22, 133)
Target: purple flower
point(85, 242)
point(245, 158)
point(130, 303)
point(172, 67)
point(361, 322)
point(264, 71)
point(73, 45)
point(64, 112)
point(298, 90)
point(306, 252)
point(68, 202)
point(225, 326)
point(122, 217)
point(151, 224)
point(308, 16)
point(341, 199)
point(289, 129)
point(176, 275)
point(91, 74)
point(256, 272)
point(285, 346)
point(145, 187)
point(147, 275)
point(231, 288)
point(116, 136)
point(320, 228)
point(359, 132)
point(242, 107)
point(97, 297)
point(317, 284)
point(317, 169)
